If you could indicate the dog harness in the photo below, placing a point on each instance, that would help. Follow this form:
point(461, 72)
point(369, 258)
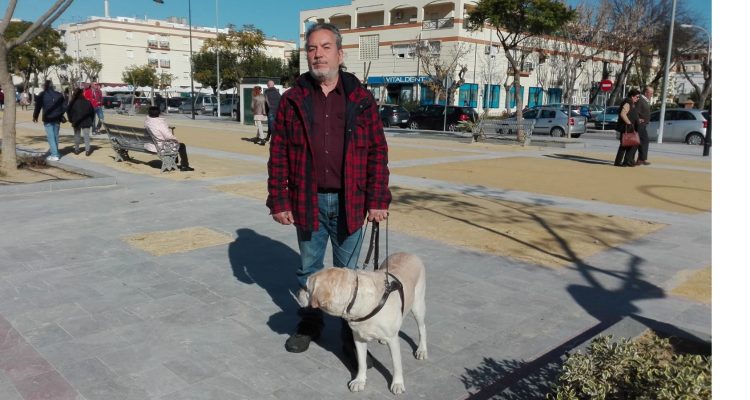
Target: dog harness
point(390, 285)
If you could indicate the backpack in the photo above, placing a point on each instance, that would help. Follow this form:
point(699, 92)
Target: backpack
point(52, 105)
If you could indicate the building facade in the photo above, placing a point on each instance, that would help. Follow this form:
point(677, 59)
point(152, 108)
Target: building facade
point(121, 42)
point(381, 40)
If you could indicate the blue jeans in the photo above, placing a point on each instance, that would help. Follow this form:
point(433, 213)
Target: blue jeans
point(346, 248)
point(100, 115)
point(53, 135)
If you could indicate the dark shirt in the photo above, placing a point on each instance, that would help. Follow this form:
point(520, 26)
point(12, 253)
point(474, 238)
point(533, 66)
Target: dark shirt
point(328, 135)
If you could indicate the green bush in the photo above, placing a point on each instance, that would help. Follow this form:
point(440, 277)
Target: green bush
point(646, 368)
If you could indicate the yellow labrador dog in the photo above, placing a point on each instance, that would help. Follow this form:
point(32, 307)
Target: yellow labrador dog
point(354, 294)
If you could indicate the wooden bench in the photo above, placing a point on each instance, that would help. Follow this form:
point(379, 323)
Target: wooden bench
point(127, 138)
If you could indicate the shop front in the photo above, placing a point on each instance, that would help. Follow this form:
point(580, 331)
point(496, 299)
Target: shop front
point(395, 89)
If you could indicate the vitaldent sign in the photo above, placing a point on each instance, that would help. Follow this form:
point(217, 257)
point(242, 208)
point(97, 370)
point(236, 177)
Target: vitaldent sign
point(380, 80)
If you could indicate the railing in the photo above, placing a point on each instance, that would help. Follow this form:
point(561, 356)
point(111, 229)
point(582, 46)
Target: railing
point(153, 44)
point(153, 63)
point(164, 45)
point(164, 63)
point(432, 24)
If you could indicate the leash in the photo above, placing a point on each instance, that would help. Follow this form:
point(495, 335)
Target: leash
point(391, 285)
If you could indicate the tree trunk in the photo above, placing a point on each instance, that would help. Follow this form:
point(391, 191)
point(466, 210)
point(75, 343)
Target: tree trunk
point(9, 160)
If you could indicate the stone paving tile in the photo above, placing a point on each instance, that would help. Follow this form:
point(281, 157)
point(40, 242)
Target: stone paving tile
point(46, 334)
point(95, 381)
point(9, 392)
point(38, 317)
point(99, 322)
point(192, 367)
point(49, 385)
point(162, 307)
point(158, 381)
point(81, 348)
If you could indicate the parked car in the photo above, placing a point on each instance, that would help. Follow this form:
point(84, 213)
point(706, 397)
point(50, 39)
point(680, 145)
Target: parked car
point(551, 121)
point(111, 102)
point(173, 104)
point(203, 105)
point(393, 114)
point(226, 107)
point(680, 125)
point(595, 110)
point(607, 119)
point(431, 117)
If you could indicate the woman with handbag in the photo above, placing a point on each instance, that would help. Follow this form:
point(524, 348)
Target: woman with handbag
point(627, 126)
point(259, 115)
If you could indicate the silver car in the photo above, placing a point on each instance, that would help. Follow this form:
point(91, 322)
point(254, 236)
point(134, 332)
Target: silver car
point(550, 121)
point(684, 125)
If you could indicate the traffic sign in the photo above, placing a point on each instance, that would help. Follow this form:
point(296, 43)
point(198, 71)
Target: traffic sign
point(605, 85)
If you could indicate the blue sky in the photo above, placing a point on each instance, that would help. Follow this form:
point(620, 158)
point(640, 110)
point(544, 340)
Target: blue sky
point(276, 18)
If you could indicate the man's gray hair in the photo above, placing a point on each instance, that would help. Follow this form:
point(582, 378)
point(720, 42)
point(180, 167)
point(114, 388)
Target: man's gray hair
point(327, 27)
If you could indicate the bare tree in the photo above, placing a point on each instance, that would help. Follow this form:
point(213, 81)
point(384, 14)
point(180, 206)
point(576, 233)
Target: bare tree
point(438, 68)
point(9, 161)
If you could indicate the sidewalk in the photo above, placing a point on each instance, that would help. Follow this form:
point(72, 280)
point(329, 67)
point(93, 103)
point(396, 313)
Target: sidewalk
point(177, 287)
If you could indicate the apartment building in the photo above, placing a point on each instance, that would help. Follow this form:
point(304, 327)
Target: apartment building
point(165, 45)
point(381, 38)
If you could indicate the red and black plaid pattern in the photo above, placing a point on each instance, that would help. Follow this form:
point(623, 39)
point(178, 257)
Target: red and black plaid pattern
point(292, 184)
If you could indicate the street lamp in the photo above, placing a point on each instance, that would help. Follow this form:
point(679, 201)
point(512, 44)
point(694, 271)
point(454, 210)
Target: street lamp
point(663, 109)
point(190, 33)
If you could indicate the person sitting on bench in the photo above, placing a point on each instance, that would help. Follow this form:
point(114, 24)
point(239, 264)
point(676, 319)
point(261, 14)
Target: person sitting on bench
point(159, 128)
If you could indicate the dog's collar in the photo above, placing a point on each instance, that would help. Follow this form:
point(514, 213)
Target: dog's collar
point(390, 286)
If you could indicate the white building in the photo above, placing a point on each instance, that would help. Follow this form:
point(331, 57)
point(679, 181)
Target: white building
point(120, 42)
point(380, 38)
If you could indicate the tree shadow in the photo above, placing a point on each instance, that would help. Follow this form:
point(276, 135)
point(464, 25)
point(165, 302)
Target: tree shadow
point(512, 379)
point(650, 190)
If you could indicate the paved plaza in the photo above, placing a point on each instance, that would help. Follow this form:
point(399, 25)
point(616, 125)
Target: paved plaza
point(140, 285)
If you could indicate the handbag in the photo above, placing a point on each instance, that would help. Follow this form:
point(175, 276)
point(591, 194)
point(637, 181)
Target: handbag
point(630, 137)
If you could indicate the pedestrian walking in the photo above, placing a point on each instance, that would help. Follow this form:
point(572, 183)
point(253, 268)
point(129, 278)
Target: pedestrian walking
point(52, 105)
point(81, 115)
point(259, 115)
point(643, 107)
point(272, 105)
point(327, 171)
point(628, 118)
point(94, 95)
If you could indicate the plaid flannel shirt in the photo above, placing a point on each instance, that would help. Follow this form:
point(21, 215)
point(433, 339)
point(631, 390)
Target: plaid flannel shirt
point(292, 182)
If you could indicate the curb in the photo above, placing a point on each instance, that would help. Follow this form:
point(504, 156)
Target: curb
point(94, 179)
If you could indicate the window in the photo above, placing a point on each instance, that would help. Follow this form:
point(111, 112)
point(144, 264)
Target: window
point(491, 96)
point(536, 95)
point(512, 95)
point(369, 46)
point(435, 48)
point(130, 54)
point(547, 114)
point(467, 94)
point(403, 50)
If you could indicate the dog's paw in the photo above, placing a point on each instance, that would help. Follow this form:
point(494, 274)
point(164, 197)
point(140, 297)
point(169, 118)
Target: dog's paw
point(420, 354)
point(398, 388)
point(357, 385)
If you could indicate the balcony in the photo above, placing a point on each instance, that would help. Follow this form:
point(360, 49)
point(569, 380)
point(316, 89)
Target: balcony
point(525, 69)
point(442, 23)
point(153, 63)
point(164, 64)
point(164, 44)
point(153, 44)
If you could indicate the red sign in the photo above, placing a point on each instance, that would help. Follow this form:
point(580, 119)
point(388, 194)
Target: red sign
point(605, 85)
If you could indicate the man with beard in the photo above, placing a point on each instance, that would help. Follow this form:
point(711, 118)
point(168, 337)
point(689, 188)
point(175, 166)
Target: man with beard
point(327, 170)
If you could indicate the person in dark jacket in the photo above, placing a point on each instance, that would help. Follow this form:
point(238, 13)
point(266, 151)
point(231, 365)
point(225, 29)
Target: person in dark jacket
point(628, 116)
point(273, 97)
point(643, 106)
point(327, 170)
point(52, 105)
point(81, 115)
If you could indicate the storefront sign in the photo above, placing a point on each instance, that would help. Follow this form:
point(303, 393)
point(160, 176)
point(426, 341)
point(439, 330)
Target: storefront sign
point(386, 80)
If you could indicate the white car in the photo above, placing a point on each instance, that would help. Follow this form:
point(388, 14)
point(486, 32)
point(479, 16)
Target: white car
point(684, 125)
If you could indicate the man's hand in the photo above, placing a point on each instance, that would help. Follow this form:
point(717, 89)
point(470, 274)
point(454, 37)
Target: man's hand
point(284, 217)
point(377, 215)
point(35, 120)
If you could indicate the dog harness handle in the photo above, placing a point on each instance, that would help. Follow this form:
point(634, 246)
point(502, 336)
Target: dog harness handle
point(374, 245)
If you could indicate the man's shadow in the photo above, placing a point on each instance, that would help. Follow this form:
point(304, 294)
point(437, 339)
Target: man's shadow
point(260, 260)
